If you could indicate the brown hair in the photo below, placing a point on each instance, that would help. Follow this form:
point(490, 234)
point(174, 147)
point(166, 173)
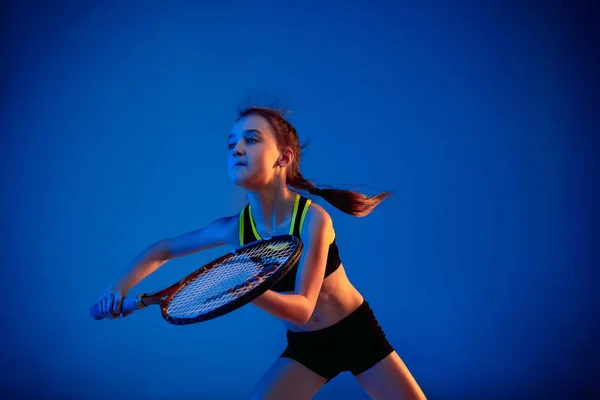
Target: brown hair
point(348, 201)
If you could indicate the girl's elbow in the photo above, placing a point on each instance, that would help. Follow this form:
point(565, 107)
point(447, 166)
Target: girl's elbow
point(161, 251)
point(307, 313)
point(303, 319)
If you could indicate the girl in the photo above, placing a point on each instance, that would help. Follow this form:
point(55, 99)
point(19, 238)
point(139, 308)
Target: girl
point(330, 326)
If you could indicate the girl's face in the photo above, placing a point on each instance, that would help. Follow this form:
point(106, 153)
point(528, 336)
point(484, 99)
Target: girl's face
point(253, 153)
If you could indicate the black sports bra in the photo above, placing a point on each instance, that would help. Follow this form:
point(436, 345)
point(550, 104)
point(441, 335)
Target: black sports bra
point(249, 234)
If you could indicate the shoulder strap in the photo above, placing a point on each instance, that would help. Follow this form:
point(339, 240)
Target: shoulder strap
point(300, 209)
point(247, 229)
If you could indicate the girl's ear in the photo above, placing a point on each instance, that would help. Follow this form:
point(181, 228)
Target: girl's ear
point(286, 158)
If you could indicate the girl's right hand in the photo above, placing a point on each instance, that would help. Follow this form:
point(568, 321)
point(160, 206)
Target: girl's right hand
point(109, 302)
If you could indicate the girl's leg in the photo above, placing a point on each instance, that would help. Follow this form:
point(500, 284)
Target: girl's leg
point(288, 379)
point(390, 379)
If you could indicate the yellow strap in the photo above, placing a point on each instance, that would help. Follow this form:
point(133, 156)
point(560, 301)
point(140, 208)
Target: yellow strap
point(296, 201)
point(256, 235)
point(242, 226)
point(306, 206)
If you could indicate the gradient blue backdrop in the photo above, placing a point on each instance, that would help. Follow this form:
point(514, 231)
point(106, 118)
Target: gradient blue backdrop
point(480, 118)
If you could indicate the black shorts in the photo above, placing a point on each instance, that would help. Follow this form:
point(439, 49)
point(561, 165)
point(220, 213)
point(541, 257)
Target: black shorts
point(354, 344)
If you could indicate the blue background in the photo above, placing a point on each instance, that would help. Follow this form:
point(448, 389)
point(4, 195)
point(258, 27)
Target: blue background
point(482, 270)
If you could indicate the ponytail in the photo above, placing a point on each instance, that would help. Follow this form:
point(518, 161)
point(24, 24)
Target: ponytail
point(348, 201)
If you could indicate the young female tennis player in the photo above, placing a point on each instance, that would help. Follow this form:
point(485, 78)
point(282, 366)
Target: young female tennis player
point(330, 326)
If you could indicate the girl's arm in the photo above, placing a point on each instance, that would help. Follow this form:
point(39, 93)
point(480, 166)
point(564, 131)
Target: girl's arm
point(219, 232)
point(299, 306)
point(216, 233)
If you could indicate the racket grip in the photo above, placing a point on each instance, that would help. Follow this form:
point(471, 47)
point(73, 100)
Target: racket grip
point(127, 304)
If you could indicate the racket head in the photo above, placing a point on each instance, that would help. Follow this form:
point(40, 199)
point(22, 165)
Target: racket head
point(231, 281)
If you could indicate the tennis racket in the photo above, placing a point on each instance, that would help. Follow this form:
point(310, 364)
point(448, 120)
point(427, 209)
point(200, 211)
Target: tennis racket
point(223, 285)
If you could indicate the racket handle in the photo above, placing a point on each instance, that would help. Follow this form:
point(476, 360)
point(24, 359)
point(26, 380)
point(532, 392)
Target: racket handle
point(127, 304)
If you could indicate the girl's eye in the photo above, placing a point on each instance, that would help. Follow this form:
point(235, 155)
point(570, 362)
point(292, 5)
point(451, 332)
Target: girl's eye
point(230, 146)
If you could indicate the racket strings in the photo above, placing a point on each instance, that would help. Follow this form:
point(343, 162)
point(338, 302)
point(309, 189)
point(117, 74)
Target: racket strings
point(230, 279)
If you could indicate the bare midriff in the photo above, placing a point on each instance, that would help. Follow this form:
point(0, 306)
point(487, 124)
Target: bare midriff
point(338, 298)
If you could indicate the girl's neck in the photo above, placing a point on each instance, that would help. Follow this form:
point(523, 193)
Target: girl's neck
point(271, 207)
